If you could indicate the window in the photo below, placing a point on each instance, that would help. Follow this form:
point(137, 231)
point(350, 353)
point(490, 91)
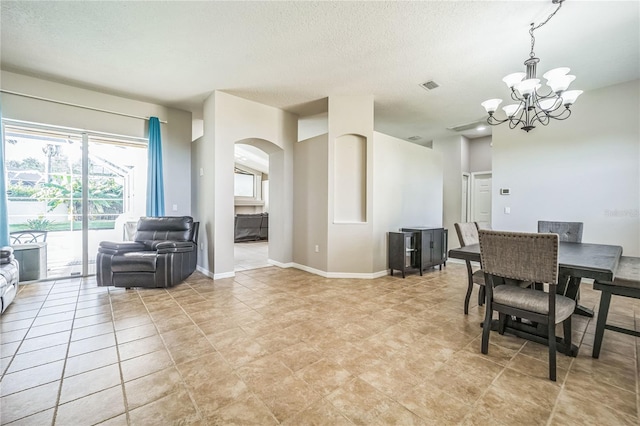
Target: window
point(245, 184)
point(78, 186)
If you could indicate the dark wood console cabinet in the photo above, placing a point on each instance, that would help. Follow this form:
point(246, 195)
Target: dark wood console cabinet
point(417, 248)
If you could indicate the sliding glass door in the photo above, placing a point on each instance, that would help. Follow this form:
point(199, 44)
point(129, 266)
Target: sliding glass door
point(68, 190)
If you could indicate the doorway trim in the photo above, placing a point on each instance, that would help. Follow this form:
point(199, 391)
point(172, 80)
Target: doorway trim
point(465, 212)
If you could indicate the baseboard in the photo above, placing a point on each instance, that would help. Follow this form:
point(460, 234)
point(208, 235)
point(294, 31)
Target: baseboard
point(280, 264)
point(353, 275)
point(215, 276)
point(204, 271)
point(224, 275)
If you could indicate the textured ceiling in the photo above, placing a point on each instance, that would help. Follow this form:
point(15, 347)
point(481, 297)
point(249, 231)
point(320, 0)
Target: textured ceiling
point(287, 54)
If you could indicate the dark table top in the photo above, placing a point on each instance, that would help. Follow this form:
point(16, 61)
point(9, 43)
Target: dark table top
point(585, 260)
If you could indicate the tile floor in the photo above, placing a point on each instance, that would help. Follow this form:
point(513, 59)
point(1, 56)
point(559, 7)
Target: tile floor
point(251, 255)
point(283, 346)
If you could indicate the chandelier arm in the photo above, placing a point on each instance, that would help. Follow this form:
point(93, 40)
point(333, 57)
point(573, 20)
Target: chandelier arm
point(494, 121)
point(515, 97)
point(541, 117)
point(549, 95)
point(515, 122)
point(544, 117)
point(566, 113)
point(556, 104)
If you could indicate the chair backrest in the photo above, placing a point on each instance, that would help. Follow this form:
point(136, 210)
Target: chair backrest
point(483, 225)
point(520, 256)
point(194, 235)
point(28, 237)
point(168, 228)
point(467, 233)
point(570, 232)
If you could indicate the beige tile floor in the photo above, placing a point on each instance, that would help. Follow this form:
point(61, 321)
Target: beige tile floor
point(251, 255)
point(283, 346)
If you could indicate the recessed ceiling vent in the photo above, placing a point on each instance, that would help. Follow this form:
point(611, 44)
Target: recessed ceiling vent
point(429, 85)
point(467, 126)
point(414, 138)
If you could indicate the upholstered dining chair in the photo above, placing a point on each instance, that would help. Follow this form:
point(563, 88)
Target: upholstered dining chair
point(570, 232)
point(530, 257)
point(468, 235)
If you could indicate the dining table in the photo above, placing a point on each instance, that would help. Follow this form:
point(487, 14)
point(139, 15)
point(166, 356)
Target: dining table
point(575, 261)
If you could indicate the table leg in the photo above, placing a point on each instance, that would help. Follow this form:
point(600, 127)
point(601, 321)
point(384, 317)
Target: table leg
point(605, 300)
point(573, 292)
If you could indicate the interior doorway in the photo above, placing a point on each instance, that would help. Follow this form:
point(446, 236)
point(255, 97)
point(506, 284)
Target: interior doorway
point(481, 197)
point(251, 207)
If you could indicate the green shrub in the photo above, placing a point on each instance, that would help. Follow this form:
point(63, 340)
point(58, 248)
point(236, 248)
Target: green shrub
point(40, 224)
point(20, 192)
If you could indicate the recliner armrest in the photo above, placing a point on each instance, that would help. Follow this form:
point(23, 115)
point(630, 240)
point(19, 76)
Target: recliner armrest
point(175, 247)
point(120, 247)
point(6, 255)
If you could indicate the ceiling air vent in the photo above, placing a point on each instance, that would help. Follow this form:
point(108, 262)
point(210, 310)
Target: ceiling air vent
point(467, 126)
point(429, 85)
point(414, 138)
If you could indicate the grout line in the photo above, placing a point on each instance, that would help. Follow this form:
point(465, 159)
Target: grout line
point(66, 358)
point(115, 337)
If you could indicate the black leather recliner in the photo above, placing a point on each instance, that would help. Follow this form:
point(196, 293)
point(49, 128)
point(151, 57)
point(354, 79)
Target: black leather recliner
point(163, 254)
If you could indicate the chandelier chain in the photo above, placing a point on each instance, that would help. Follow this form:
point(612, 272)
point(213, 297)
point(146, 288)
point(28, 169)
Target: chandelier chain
point(535, 27)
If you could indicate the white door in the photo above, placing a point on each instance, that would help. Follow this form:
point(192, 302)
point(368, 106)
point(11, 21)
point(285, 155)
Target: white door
point(464, 216)
point(481, 197)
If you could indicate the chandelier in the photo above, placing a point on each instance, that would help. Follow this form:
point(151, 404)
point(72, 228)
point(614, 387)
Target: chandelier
point(534, 106)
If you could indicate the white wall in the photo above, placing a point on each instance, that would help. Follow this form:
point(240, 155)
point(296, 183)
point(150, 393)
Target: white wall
point(229, 119)
point(451, 150)
point(584, 169)
point(313, 125)
point(407, 189)
point(480, 154)
point(349, 244)
point(311, 194)
point(176, 135)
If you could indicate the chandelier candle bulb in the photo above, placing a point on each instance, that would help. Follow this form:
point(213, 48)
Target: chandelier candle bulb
point(560, 83)
point(570, 96)
point(556, 72)
point(527, 87)
point(513, 79)
point(511, 110)
point(491, 105)
point(549, 104)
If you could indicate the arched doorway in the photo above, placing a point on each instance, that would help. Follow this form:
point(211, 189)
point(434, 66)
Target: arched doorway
point(252, 203)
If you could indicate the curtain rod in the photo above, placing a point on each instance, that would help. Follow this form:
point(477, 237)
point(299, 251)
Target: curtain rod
point(10, 92)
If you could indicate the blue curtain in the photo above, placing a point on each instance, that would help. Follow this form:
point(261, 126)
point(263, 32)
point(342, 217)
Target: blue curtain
point(155, 181)
point(4, 214)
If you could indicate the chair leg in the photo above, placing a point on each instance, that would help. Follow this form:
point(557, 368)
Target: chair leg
point(467, 297)
point(486, 328)
point(603, 311)
point(481, 293)
point(502, 323)
point(566, 327)
point(552, 351)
